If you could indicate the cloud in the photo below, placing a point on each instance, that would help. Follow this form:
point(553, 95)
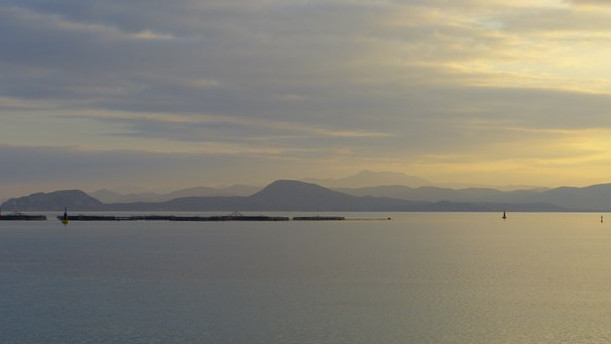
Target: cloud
point(241, 60)
point(589, 2)
point(361, 82)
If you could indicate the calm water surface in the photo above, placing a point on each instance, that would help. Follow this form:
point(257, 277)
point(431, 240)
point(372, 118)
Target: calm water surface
point(420, 278)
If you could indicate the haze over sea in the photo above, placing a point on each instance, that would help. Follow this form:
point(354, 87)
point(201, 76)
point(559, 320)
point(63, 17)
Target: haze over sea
point(420, 278)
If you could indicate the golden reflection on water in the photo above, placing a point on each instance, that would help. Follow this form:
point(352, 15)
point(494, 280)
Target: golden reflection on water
point(420, 278)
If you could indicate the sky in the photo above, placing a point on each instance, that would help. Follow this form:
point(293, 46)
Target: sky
point(168, 94)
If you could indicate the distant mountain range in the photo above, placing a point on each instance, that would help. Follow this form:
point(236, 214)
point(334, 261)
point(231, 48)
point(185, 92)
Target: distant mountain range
point(361, 179)
point(377, 191)
point(591, 198)
point(370, 178)
point(282, 195)
point(108, 196)
point(382, 184)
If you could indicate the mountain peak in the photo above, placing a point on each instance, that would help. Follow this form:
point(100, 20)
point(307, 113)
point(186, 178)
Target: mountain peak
point(293, 187)
point(294, 195)
point(57, 200)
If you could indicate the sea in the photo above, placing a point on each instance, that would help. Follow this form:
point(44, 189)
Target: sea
point(417, 278)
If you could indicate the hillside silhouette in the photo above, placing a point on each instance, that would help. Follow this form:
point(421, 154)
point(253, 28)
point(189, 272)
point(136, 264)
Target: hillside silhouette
point(281, 195)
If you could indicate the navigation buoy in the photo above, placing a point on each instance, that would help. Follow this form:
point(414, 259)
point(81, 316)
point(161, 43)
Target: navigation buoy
point(65, 219)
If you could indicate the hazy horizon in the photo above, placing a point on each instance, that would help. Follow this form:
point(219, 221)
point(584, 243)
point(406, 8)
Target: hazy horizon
point(354, 181)
point(361, 179)
point(168, 95)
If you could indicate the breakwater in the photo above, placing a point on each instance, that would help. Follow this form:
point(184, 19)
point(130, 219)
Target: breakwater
point(234, 216)
point(171, 218)
point(318, 218)
point(22, 217)
point(231, 217)
point(197, 218)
